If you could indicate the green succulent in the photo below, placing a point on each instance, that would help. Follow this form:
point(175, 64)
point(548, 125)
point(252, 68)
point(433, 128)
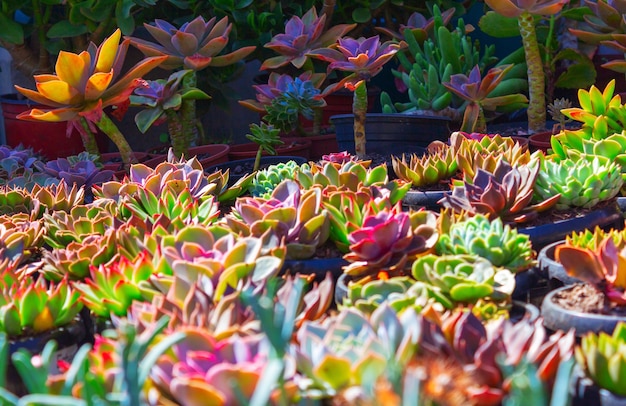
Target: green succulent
point(593, 239)
point(350, 175)
point(463, 279)
point(500, 244)
point(428, 169)
point(266, 180)
point(267, 137)
point(603, 358)
point(63, 228)
point(581, 183)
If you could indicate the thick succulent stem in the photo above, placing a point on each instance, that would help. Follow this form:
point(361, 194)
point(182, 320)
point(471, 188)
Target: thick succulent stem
point(41, 20)
point(359, 108)
point(88, 138)
point(177, 136)
point(257, 159)
point(536, 80)
point(188, 113)
point(110, 129)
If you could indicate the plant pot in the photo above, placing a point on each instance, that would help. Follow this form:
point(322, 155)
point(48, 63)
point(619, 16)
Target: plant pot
point(392, 134)
point(556, 317)
point(525, 281)
point(113, 161)
point(234, 166)
point(542, 235)
point(293, 146)
point(47, 138)
point(584, 391)
point(540, 141)
point(322, 145)
point(427, 199)
point(315, 266)
point(546, 261)
point(211, 154)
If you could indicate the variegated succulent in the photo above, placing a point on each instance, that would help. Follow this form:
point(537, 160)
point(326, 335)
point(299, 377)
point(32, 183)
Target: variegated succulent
point(389, 241)
point(492, 240)
point(350, 349)
point(463, 279)
point(429, 169)
point(215, 257)
point(293, 215)
point(505, 193)
point(581, 183)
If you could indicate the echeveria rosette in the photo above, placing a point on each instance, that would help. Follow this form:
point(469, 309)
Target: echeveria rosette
point(266, 180)
point(81, 173)
point(418, 26)
point(505, 193)
point(62, 228)
point(593, 239)
point(301, 36)
point(456, 279)
point(581, 183)
point(492, 240)
point(111, 288)
point(605, 19)
point(348, 175)
point(475, 90)
point(291, 214)
point(603, 358)
point(524, 11)
point(428, 169)
point(603, 268)
point(215, 256)
point(388, 240)
point(203, 370)
point(86, 83)
point(351, 349)
point(28, 307)
point(364, 58)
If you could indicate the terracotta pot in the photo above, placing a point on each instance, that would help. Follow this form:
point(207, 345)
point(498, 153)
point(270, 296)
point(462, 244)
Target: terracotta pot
point(540, 141)
point(322, 145)
point(293, 146)
point(49, 139)
point(211, 154)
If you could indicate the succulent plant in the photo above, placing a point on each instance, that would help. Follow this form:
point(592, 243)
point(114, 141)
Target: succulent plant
point(388, 240)
point(215, 256)
point(226, 192)
point(111, 288)
point(28, 179)
point(14, 161)
point(86, 83)
point(76, 259)
point(338, 157)
point(301, 36)
point(81, 173)
point(500, 244)
point(463, 279)
point(602, 268)
point(593, 239)
point(582, 183)
point(428, 169)
point(292, 214)
point(349, 175)
point(267, 137)
point(476, 90)
point(363, 58)
point(603, 358)
point(201, 369)
point(57, 197)
point(420, 27)
point(351, 350)
point(32, 307)
point(63, 228)
point(505, 193)
point(266, 180)
point(605, 19)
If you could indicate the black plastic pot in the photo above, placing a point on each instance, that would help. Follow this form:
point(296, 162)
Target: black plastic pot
point(585, 392)
point(265, 161)
point(542, 235)
point(315, 266)
point(556, 317)
point(555, 272)
point(392, 134)
point(427, 199)
point(524, 283)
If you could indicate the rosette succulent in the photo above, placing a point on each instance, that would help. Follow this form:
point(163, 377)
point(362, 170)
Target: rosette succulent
point(81, 173)
point(214, 256)
point(291, 214)
point(603, 268)
point(463, 279)
point(505, 193)
point(580, 183)
point(62, 227)
point(593, 239)
point(14, 161)
point(428, 169)
point(266, 180)
point(388, 240)
point(500, 244)
point(28, 307)
point(351, 350)
point(203, 370)
point(603, 358)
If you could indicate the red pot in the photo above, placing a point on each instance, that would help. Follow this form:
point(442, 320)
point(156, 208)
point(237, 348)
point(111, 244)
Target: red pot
point(211, 154)
point(540, 141)
point(47, 138)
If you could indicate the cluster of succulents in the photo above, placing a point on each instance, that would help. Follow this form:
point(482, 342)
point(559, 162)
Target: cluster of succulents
point(266, 180)
point(580, 183)
point(429, 169)
point(498, 243)
point(593, 239)
point(81, 172)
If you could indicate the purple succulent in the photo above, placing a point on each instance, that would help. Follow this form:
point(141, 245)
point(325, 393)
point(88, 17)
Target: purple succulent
point(82, 173)
point(301, 36)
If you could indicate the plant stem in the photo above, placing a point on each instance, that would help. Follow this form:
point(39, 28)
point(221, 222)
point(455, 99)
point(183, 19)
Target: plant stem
point(40, 23)
point(188, 113)
point(359, 108)
point(536, 81)
point(257, 159)
point(88, 137)
point(177, 137)
point(110, 129)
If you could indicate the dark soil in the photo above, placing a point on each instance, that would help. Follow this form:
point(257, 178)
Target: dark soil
point(587, 299)
point(327, 250)
point(552, 216)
